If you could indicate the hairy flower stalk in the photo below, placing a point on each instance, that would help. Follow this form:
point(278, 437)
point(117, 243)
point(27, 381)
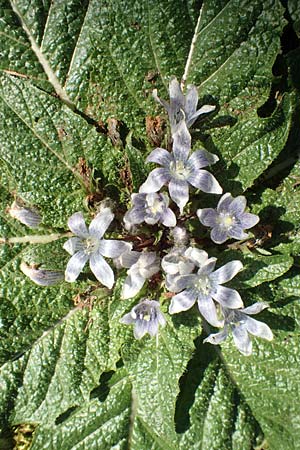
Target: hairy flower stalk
point(206, 287)
point(241, 325)
point(88, 245)
point(146, 318)
point(229, 220)
point(180, 169)
point(182, 107)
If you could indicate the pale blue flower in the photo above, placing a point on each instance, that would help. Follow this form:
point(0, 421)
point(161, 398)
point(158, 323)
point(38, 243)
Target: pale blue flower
point(180, 261)
point(88, 245)
point(205, 287)
point(150, 208)
point(241, 325)
point(180, 169)
point(146, 317)
point(229, 220)
point(182, 107)
point(141, 266)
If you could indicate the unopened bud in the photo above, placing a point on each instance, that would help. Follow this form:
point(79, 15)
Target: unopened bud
point(42, 277)
point(25, 215)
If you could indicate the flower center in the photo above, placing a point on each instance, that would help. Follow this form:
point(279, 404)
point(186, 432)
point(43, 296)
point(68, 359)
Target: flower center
point(179, 170)
point(204, 285)
point(91, 245)
point(226, 220)
point(144, 312)
point(156, 208)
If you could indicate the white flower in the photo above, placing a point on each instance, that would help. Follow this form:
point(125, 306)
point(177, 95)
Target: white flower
point(180, 169)
point(88, 245)
point(150, 208)
point(146, 317)
point(205, 287)
point(241, 325)
point(182, 107)
point(229, 220)
point(141, 265)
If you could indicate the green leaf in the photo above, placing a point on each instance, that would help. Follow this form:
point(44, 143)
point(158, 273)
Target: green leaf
point(98, 424)
point(261, 269)
point(268, 380)
point(232, 59)
point(155, 367)
point(220, 418)
point(251, 146)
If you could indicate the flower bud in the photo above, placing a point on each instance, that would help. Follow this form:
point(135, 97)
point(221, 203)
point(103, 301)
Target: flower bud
point(40, 276)
point(25, 215)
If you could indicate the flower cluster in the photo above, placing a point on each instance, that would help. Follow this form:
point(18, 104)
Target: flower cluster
point(173, 260)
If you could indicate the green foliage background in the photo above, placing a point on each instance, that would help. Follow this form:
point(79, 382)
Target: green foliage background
point(74, 373)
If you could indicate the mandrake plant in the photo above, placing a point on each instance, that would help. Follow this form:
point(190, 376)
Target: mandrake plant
point(149, 225)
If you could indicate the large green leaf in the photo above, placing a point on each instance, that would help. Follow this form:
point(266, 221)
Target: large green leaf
point(75, 109)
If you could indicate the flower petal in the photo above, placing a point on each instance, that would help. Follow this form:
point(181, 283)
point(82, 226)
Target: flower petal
point(160, 156)
point(77, 225)
point(208, 310)
point(182, 301)
point(140, 328)
point(101, 222)
point(113, 248)
point(242, 340)
point(168, 218)
point(237, 206)
point(156, 179)
point(181, 142)
point(207, 216)
point(200, 159)
point(179, 192)
point(127, 259)
point(134, 216)
point(227, 272)
point(153, 327)
point(255, 308)
point(196, 255)
point(258, 328)
point(132, 285)
point(75, 266)
point(73, 245)
point(201, 179)
point(207, 267)
point(191, 101)
point(248, 220)
point(217, 338)
point(205, 109)
point(181, 282)
point(237, 232)
point(224, 203)
point(102, 271)
point(127, 319)
point(219, 234)
point(160, 100)
point(175, 92)
point(229, 298)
